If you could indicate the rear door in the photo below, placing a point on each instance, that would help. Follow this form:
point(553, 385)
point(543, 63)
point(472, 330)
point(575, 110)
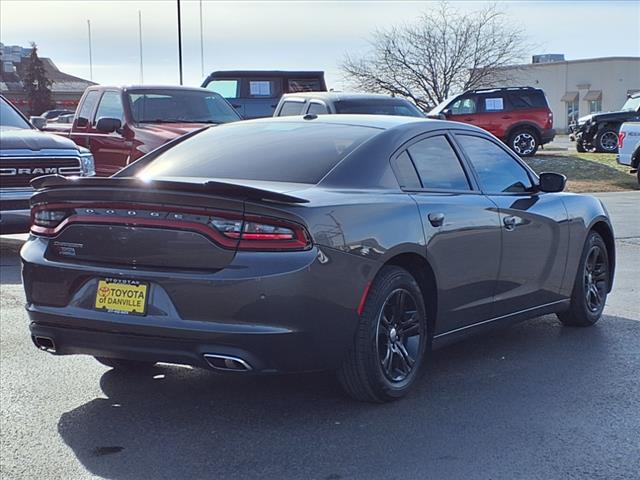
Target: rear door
point(462, 228)
point(111, 151)
point(535, 232)
point(261, 96)
point(493, 113)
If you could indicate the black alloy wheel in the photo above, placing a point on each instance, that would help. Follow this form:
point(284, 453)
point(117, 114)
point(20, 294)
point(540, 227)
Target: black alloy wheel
point(607, 141)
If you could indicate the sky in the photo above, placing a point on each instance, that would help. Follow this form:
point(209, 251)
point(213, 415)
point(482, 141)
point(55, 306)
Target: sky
point(293, 35)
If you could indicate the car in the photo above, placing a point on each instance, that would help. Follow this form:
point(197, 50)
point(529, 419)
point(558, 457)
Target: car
point(350, 243)
point(519, 116)
point(321, 103)
point(598, 132)
point(121, 124)
point(629, 147)
point(27, 153)
point(255, 93)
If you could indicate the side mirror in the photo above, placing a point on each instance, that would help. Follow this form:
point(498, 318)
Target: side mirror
point(38, 122)
point(552, 182)
point(108, 125)
point(446, 113)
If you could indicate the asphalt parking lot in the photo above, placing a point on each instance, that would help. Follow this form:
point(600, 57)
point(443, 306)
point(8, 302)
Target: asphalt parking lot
point(535, 401)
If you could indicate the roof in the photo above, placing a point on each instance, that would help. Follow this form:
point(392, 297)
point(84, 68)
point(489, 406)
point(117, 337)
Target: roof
point(152, 87)
point(61, 82)
point(383, 122)
point(267, 73)
point(339, 96)
point(565, 62)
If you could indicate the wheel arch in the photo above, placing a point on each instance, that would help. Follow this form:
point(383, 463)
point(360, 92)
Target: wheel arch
point(524, 125)
point(421, 270)
point(604, 230)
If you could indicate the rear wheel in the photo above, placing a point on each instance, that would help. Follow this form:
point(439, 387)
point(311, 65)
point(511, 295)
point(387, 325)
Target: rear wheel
point(606, 141)
point(591, 285)
point(391, 341)
point(524, 142)
point(125, 365)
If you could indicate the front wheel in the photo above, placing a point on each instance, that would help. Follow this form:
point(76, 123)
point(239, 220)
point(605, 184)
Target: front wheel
point(580, 147)
point(524, 142)
point(607, 141)
point(591, 285)
point(391, 341)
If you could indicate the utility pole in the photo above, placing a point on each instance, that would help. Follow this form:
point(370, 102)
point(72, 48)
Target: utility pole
point(201, 45)
point(90, 57)
point(140, 38)
point(179, 42)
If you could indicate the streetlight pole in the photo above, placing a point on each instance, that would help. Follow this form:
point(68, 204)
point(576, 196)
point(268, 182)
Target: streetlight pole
point(179, 42)
point(201, 44)
point(90, 56)
point(140, 38)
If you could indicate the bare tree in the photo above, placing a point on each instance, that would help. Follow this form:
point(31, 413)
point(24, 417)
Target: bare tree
point(444, 52)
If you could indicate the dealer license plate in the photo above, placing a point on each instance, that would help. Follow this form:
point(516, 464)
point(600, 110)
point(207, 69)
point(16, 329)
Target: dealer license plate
point(122, 296)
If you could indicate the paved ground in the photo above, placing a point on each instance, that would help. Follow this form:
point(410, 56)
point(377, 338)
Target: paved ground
point(536, 401)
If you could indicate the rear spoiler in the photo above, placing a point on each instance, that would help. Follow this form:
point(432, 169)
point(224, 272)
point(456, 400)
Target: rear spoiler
point(220, 188)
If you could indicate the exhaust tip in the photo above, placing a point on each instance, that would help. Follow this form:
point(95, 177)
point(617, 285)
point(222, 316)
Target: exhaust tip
point(44, 343)
point(226, 362)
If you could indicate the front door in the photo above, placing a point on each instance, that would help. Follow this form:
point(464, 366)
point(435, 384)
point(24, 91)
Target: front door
point(461, 227)
point(111, 151)
point(535, 231)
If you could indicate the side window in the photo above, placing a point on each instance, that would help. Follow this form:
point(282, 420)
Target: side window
point(89, 103)
point(438, 165)
point(405, 172)
point(303, 85)
point(527, 99)
point(259, 88)
point(291, 108)
point(316, 108)
point(498, 172)
point(110, 106)
point(463, 106)
point(493, 104)
point(226, 88)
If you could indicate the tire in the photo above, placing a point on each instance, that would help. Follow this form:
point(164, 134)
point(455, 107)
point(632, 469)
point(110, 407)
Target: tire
point(378, 366)
point(524, 142)
point(125, 365)
point(606, 141)
point(580, 147)
point(593, 272)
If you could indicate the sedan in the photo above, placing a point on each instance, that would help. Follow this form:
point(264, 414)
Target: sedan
point(339, 242)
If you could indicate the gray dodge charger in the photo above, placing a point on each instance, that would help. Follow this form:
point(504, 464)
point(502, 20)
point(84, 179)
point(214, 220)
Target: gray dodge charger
point(345, 243)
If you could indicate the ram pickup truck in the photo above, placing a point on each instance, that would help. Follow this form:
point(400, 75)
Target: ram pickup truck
point(599, 131)
point(629, 147)
point(27, 153)
point(121, 124)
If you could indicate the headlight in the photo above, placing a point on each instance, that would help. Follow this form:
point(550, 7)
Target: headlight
point(87, 164)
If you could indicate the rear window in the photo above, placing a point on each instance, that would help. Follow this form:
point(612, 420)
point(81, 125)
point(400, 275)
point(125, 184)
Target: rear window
point(270, 151)
point(377, 107)
point(527, 99)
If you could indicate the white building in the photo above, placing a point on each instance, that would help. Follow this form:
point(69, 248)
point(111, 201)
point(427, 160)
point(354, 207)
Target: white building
point(578, 87)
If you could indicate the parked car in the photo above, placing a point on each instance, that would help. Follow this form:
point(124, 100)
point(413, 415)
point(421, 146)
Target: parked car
point(339, 242)
point(255, 93)
point(26, 153)
point(53, 114)
point(121, 124)
point(320, 103)
point(519, 116)
point(629, 147)
point(599, 131)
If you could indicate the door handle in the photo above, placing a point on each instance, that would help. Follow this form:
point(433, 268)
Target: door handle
point(469, 119)
point(436, 219)
point(509, 222)
point(506, 117)
point(235, 105)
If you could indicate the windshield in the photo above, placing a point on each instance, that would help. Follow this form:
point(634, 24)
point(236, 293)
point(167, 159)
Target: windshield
point(9, 118)
point(180, 106)
point(442, 105)
point(632, 103)
point(271, 151)
point(378, 107)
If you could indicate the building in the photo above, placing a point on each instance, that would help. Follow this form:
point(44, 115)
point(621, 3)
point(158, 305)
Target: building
point(575, 88)
point(66, 89)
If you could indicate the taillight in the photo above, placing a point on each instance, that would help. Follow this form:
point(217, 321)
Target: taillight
point(621, 136)
point(229, 229)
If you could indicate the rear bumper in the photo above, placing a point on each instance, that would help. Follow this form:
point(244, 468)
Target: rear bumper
point(547, 135)
point(290, 313)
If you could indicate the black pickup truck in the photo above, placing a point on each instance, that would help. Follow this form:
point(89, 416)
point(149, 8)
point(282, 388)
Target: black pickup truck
point(599, 131)
point(27, 153)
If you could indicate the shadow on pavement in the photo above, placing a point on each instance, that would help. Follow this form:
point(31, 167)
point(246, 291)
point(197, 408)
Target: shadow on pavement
point(533, 401)
point(10, 261)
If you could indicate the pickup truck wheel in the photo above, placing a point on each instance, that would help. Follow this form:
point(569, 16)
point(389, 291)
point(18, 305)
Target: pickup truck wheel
point(524, 142)
point(607, 141)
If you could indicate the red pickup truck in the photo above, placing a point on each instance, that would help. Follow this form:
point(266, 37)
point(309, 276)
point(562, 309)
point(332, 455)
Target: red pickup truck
point(121, 124)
